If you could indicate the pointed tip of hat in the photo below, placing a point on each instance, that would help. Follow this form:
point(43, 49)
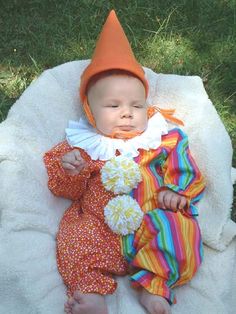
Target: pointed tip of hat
point(112, 17)
point(112, 12)
point(112, 51)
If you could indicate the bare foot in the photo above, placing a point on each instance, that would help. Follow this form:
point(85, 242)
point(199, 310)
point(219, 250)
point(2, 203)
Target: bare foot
point(155, 304)
point(86, 303)
point(68, 305)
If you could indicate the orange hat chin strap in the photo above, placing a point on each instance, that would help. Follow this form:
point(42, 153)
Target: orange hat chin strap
point(88, 112)
point(167, 114)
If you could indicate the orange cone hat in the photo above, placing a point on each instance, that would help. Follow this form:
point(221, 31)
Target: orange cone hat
point(112, 52)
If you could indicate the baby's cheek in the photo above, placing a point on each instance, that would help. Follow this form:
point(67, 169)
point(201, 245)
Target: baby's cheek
point(104, 127)
point(144, 124)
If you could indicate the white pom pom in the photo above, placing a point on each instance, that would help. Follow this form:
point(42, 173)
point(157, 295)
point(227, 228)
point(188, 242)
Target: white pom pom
point(123, 214)
point(120, 175)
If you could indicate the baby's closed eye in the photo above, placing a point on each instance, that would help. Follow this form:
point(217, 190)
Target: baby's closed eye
point(112, 106)
point(138, 106)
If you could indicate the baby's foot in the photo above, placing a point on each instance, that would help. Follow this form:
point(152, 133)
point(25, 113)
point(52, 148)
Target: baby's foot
point(68, 305)
point(155, 304)
point(86, 303)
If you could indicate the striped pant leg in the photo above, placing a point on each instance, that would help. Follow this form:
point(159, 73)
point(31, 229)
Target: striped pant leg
point(167, 249)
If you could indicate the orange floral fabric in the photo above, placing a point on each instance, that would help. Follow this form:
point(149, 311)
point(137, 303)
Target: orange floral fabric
point(88, 252)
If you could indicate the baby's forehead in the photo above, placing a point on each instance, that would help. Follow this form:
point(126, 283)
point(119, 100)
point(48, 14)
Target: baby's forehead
point(111, 77)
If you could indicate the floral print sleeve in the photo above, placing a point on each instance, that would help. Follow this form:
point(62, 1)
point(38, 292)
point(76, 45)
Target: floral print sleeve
point(59, 182)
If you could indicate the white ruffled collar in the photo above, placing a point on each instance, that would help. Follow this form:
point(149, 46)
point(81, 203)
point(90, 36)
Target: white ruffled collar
point(99, 147)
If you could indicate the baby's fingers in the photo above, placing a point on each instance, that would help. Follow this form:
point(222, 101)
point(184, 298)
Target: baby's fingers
point(68, 166)
point(174, 203)
point(182, 202)
point(168, 200)
point(77, 155)
point(165, 199)
point(160, 199)
point(70, 169)
point(81, 165)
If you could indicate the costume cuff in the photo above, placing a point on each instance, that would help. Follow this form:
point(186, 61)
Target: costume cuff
point(153, 284)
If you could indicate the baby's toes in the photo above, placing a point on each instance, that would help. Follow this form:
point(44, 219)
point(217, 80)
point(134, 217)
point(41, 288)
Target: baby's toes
point(68, 306)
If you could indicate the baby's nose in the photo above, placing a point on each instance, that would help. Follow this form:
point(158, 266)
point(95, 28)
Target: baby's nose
point(127, 112)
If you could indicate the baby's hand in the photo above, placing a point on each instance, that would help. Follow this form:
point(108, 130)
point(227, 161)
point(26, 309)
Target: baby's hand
point(168, 199)
point(72, 162)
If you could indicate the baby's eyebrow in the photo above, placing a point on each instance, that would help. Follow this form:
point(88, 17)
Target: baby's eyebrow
point(112, 99)
point(139, 102)
point(134, 102)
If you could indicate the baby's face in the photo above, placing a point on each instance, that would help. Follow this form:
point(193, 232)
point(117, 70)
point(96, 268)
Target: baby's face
point(118, 103)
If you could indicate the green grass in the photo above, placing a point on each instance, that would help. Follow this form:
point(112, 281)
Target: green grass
point(186, 37)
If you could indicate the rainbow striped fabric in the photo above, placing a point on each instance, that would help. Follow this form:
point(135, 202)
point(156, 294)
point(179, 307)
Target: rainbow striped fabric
point(166, 251)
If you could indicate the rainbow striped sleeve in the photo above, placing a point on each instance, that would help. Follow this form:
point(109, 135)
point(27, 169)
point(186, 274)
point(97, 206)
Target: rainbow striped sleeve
point(181, 174)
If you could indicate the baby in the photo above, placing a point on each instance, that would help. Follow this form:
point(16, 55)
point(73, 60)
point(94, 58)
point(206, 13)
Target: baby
point(164, 249)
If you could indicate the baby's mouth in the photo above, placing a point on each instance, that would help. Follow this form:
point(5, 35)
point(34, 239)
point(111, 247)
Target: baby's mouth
point(125, 128)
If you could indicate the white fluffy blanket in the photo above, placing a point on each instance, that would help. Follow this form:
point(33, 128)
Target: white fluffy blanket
point(29, 281)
